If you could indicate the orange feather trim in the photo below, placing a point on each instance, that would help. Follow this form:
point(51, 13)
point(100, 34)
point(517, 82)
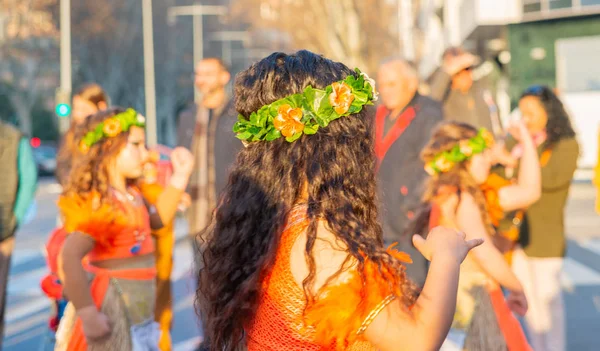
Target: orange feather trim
point(87, 215)
point(340, 311)
point(490, 191)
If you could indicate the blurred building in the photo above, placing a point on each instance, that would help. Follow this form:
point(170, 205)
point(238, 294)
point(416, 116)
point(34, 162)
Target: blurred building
point(526, 42)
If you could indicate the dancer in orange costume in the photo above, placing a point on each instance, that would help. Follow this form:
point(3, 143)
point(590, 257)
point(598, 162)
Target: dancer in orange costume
point(109, 224)
point(458, 158)
point(295, 258)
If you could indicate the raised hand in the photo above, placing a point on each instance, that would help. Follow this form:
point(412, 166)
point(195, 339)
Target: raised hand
point(446, 243)
point(182, 161)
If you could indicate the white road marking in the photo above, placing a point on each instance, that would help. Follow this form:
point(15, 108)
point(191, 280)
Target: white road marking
point(188, 345)
point(575, 274)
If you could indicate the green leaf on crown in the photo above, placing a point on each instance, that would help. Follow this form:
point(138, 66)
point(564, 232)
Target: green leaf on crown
point(273, 134)
point(294, 137)
point(311, 129)
point(244, 135)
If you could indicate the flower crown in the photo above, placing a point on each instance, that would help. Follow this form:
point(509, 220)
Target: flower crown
point(465, 149)
point(308, 111)
point(112, 127)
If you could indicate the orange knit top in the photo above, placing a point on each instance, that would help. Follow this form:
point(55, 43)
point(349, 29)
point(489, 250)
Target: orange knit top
point(338, 317)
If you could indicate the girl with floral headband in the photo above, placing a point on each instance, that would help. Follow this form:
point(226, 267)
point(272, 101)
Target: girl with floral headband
point(459, 157)
point(108, 256)
point(295, 258)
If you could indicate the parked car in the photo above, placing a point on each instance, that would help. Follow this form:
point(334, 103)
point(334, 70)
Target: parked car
point(45, 158)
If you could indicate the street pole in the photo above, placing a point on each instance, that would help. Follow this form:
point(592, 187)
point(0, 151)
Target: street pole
point(65, 56)
point(405, 24)
point(149, 81)
point(197, 37)
point(226, 38)
point(196, 11)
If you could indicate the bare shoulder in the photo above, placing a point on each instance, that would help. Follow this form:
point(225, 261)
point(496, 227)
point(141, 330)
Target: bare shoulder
point(468, 209)
point(330, 255)
point(467, 203)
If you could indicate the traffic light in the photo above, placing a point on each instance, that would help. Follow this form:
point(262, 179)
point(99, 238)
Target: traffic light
point(63, 103)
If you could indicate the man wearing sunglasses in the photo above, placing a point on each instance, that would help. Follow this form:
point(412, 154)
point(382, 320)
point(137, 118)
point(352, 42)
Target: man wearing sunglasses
point(464, 99)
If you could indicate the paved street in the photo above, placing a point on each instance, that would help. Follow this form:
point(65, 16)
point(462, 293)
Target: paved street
point(27, 311)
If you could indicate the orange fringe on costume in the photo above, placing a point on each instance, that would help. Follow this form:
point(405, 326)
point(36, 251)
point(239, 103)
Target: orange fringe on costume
point(490, 191)
point(86, 214)
point(338, 317)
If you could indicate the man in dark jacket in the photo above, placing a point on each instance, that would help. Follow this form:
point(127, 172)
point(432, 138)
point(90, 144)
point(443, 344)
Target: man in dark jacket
point(207, 130)
point(403, 125)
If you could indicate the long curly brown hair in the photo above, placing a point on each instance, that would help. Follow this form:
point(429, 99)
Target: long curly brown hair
point(445, 137)
point(90, 171)
point(336, 169)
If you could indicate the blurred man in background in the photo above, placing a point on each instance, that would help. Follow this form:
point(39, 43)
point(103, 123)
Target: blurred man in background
point(464, 100)
point(403, 126)
point(17, 189)
point(207, 131)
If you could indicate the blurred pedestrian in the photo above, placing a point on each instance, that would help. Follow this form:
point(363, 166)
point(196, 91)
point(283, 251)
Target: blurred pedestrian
point(295, 259)
point(403, 124)
point(89, 99)
point(17, 190)
point(206, 131)
point(464, 99)
point(109, 224)
point(542, 231)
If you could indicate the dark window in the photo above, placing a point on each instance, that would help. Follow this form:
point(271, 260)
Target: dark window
point(532, 6)
point(560, 4)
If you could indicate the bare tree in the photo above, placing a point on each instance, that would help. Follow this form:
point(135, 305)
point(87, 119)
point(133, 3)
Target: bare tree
point(357, 32)
point(108, 50)
point(28, 54)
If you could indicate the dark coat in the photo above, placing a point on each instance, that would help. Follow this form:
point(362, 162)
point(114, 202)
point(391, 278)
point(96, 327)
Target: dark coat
point(401, 175)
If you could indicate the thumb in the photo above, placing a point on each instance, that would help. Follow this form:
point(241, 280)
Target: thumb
point(473, 243)
point(420, 244)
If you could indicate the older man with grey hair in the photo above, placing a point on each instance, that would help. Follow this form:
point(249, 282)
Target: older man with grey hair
point(403, 125)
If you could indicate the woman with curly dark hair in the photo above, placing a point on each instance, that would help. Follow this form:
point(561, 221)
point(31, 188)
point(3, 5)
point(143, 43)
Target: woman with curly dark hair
point(542, 232)
point(295, 259)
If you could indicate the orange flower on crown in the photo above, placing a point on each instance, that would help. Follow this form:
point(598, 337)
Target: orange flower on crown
point(341, 98)
point(488, 138)
point(288, 120)
point(112, 127)
point(83, 147)
point(465, 148)
point(443, 164)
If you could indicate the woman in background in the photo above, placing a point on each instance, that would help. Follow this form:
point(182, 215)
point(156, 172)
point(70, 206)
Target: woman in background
point(542, 233)
point(88, 100)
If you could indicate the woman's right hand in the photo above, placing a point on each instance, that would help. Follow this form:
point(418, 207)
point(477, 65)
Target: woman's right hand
point(445, 243)
point(95, 323)
point(517, 302)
